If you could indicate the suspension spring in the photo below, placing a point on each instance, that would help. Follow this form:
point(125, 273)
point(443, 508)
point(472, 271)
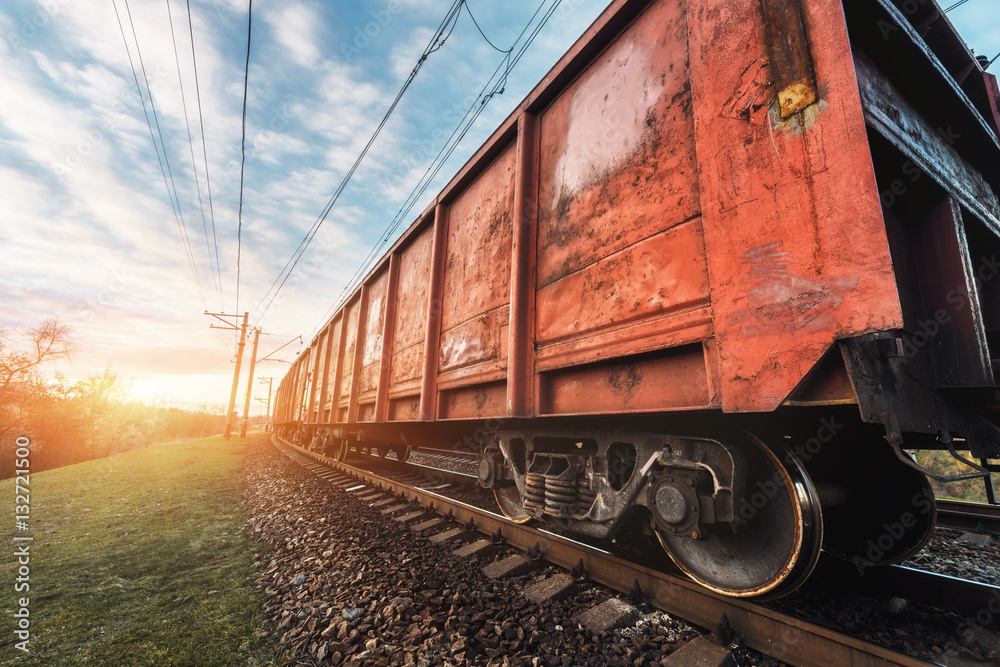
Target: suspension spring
point(534, 491)
point(585, 494)
point(560, 496)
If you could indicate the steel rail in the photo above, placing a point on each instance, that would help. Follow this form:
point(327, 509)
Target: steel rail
point(968, 516)
point(778, 635)
point(459, 476)
point(962, 596)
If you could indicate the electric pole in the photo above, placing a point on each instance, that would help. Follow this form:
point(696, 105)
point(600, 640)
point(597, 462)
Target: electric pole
point(267, 413)
point(231, 326)
point(246, 404)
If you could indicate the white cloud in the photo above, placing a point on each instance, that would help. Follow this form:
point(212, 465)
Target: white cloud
point(405, 54)
point(273, 147)
point(85, 220)
point(297, 28)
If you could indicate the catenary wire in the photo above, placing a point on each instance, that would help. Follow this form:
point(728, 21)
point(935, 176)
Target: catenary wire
point(166, 158)
point(243, 158)
point(476, 23)
point(451, 143)
point(436, 42)
point(956, 6)
point(230, 341)
point(433, 45)
point(204, 151)
point(161, 159)
point(440, 159)
point(217, 278)
point(461, 129)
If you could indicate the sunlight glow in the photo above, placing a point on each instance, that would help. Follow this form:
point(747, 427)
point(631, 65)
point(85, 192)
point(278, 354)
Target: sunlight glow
point(190, 391)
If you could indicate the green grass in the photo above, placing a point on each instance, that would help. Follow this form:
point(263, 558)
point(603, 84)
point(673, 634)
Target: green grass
point(941, 462)
point(132, 534)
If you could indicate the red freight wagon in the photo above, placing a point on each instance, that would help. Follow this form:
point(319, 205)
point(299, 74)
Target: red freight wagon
point(720, 267)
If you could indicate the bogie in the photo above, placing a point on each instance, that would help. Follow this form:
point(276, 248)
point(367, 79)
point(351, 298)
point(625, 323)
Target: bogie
point(690, 489)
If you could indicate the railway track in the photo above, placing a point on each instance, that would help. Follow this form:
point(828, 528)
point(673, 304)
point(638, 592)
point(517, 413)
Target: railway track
point(943, 591)
point(978, 517)
point(773, 633)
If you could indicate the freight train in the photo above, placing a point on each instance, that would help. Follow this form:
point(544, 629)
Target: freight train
point(716, 278)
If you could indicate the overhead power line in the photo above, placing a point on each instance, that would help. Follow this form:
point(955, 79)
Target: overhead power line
point(217, 277)
point(436, 42)
point(163, 160)
point(476, 23)
point(243, 158)
point(204, 151)
point(495, 85)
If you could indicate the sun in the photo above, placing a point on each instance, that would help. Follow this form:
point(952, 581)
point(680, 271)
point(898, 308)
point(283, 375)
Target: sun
point(188, 390)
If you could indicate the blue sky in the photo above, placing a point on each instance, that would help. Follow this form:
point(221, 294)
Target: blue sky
point(87, 227)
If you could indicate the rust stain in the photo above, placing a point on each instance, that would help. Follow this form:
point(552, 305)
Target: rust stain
point(624, 379)
point(617, 160)
point(800, 122)
point(666, 271)
point(373, 328)
point(480, 398)
point(791, 67)
point(752, 97)
point(457, 351)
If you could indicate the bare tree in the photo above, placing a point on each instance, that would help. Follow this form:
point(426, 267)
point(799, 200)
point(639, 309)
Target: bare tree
point(19, 365)
point(48, 341)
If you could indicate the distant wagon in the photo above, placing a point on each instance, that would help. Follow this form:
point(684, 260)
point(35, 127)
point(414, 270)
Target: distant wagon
point(720, 269)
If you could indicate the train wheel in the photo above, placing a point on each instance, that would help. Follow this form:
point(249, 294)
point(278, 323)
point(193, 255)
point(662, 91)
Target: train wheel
point(402, 453)
point(775, 541)
point(888, 515)
point(509, 500)
point(340, 449)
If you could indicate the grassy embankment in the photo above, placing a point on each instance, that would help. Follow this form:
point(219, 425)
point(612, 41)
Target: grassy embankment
point(117, 542)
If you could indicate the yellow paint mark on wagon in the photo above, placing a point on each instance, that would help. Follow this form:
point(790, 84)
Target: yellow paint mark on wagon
point(795, 98)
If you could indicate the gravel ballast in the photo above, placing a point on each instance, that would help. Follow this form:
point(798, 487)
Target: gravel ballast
point(348, 585)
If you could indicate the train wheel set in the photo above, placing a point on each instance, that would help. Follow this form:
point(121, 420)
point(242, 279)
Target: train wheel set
point(690, 491)
point(739, 516)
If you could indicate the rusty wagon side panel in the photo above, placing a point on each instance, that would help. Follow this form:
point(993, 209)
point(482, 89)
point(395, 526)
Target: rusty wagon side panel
point(408, 335)
point(475, 294)
point(621, 266)
point(672, 220)
point(330, 374)
point(797, 248)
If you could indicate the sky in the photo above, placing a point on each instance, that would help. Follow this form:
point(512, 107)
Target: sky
point(93, 232)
